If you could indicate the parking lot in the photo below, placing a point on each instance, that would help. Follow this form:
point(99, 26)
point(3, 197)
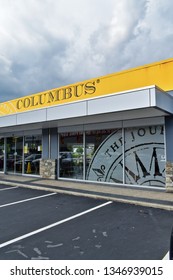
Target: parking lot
point(40, 225)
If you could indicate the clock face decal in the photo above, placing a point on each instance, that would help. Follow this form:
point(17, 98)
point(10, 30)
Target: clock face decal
point(138, 159)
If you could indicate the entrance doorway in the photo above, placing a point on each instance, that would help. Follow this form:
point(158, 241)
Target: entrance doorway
point(14, 154)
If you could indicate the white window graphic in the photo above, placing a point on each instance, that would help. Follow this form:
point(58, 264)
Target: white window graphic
point(138, 157)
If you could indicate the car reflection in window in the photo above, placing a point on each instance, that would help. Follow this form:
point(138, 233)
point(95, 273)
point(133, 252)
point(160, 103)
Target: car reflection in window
point(31, 164)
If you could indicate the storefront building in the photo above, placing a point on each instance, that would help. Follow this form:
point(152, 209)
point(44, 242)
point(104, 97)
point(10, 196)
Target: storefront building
point(116, 129)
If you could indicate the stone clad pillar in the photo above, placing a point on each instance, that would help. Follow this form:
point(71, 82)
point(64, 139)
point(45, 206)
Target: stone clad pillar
point(48, 163)
point(169, 176)
point(48, 168)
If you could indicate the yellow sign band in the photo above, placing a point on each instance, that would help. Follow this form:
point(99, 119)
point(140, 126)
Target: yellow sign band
point(159, 74)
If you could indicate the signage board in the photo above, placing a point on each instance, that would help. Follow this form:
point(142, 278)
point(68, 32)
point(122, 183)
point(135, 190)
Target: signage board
point(159, 74)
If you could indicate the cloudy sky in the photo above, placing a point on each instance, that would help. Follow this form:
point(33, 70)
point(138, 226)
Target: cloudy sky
point(46, 44)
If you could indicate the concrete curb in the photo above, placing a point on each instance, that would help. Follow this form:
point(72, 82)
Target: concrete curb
point(93, 195)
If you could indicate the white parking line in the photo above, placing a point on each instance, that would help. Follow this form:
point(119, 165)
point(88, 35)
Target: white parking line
point(166, 257)
point(24, 200)
point(53, 225)
point(5, 189)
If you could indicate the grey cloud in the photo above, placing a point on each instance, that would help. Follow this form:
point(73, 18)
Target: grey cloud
point(112, 41)
point(44, 45)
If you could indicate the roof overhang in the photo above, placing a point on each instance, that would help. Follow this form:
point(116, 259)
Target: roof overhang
point(143, 102)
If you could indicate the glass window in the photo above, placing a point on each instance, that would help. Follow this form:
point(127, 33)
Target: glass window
point(71, 155)
point(145, 156)
point(136, 156)
point(1, 154)
point(32, 154)
point(14, 154)
point(104, 159)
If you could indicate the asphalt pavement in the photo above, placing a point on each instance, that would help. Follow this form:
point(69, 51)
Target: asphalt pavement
point(38, 224)
point(144, 196)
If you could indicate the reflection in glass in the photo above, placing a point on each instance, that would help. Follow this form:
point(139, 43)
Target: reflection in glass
point(93, 140)
point(104, 159)
point(71, 155)
point(30, 150)
point(1, 154)
point(32, 154)
point(14, 154)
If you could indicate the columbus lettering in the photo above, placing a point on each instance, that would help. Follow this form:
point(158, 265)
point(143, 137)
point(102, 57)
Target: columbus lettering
point(57, 95)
